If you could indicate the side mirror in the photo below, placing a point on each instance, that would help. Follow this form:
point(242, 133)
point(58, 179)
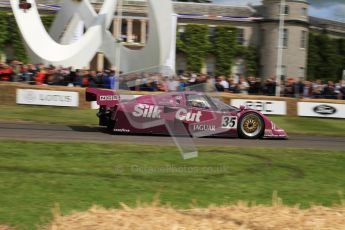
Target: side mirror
point(242, 107)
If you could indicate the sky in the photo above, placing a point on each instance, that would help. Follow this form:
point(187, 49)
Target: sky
point(330, 9)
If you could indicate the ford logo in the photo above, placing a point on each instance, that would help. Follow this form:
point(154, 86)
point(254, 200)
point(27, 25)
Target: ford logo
point(325, 110)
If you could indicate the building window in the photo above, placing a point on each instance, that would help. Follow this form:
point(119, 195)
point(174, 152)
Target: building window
point(301, 73)
point(304, 39)
point(240, 36)
point(285, 38)
point(304, 12)
point(284, 72)
point(182, 32)
point(286, 10)
point(211, 33)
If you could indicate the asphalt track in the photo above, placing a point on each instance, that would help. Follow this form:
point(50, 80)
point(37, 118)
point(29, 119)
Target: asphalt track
point(59, 133)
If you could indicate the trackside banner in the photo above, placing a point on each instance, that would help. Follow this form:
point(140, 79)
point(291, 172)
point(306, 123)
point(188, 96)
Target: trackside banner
point(265, 107)
point(47, 97)
point(311, 109)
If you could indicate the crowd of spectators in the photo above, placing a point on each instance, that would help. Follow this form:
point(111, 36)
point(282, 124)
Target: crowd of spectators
point(58, 75)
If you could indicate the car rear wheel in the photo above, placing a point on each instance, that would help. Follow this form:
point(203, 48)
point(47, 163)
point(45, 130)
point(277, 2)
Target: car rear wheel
point(111, 125)
point(251, 126)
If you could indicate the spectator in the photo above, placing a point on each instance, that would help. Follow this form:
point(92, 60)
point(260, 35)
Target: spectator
point(340, 89)
point(307, 89)
point(342, 92)
point(218, 85)
point(329, 91)
point(6, 72)
point(317, 89)
point(16, 67)
point(243, 86)
point(224, 83)
point(200, 83)
point(26, 74)
point(60, 75)
point(173, 84)
point(270, 87)
point(40, 77)
point(77, 78)
point(148, 85)
point(233, 87)
point(254, 85)
point(161, 85)
point(93, 79)
point(298, 89)
point(183, 83)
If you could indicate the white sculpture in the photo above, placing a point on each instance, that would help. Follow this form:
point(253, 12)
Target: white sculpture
point(48, 49)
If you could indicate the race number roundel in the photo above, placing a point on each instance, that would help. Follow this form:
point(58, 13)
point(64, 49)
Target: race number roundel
point(229, 122)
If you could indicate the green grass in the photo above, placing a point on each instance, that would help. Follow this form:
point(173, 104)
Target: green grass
point(48, 114)
point(61, 115)
point(34, 176)
point(311, 126)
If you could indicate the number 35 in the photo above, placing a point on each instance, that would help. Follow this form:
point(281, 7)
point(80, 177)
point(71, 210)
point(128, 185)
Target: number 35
point(229, 122)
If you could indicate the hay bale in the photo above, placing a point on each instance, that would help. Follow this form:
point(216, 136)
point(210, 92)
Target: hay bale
point(238, 216)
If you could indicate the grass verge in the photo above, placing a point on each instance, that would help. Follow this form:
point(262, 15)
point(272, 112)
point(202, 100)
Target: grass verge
point(34, 176)
point(311, 126)
point(48, 114)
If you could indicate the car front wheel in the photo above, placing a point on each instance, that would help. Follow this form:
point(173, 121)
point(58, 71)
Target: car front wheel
point(251, 126)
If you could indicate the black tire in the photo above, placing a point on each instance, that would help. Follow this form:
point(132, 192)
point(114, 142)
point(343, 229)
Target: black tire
point(111, 125)
point(251, 126)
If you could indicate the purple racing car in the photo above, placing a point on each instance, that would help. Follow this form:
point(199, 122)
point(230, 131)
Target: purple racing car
point(189, 113)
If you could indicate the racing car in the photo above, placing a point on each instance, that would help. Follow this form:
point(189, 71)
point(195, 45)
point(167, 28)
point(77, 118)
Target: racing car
point(180, 113)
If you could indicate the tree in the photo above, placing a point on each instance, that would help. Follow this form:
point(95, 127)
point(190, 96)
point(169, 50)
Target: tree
point(251, 58)
point(329, 59)
point(224, 48)
point(326, 57)
point(3, 31)
point(314, 59)
point(341, 53)
point(195, 45)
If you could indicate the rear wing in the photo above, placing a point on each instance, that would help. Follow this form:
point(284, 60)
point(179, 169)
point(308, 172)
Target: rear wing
point(104, 97)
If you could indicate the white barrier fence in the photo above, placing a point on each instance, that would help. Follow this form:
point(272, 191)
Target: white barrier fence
point(268, 107)
point(47, 97)
point(310, 109)
point(264, 106)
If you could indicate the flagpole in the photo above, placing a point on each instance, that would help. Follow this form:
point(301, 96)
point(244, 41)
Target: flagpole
point(279, 70)
point(118, 43)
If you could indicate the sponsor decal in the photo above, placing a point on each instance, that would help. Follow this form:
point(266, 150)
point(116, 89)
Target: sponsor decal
point(153, 111)
point(262, 106)
point(178, 99)
point(183, 115)
point(204, 127)
point(109, 98)
point(148, 111)
point(325, 110)
point(229, 122)
point(122, 130)
point(58, 98)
